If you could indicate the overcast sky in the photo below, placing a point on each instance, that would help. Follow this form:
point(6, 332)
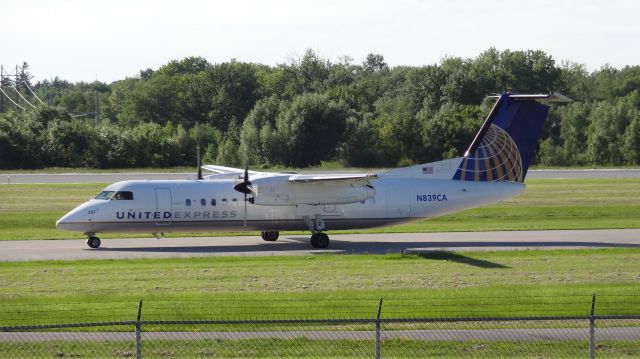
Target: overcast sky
point(85, 40)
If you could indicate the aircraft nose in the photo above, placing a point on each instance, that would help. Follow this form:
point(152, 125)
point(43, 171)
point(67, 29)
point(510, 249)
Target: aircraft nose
point(75, 220)
point(68, 222)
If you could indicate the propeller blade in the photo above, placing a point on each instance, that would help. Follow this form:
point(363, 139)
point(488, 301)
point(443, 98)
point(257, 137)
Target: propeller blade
point(245, 185)
point(199, 163)
point(245, 210)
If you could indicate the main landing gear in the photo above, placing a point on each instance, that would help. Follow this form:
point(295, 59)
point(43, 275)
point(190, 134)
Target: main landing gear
point(270, 236)
point(319, 240)
point(316, 226)
point(92, 240)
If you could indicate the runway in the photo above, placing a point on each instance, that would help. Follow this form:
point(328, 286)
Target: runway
point(128, 248)
point(115, 177)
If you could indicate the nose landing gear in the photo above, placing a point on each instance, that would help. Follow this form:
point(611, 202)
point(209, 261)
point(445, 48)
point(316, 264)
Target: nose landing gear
point(92, 240)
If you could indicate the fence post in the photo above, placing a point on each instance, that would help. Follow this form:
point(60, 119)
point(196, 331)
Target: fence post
point(378, 329)
point(592, 329)
point(138, 333)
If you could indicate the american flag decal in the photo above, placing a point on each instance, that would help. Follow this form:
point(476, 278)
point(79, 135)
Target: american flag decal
point(427, 170)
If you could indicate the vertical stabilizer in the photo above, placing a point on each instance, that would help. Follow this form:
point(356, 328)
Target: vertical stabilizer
point(505, 145)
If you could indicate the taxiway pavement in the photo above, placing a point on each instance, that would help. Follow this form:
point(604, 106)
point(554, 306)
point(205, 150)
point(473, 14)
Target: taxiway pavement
point(115, 177)
point(296, 244)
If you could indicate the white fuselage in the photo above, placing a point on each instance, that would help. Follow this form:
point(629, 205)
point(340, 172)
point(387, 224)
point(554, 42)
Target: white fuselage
point(213, 205)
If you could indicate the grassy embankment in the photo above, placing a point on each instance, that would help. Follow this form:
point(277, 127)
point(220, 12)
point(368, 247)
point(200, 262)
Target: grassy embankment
point(30, 211)
point(519, 283)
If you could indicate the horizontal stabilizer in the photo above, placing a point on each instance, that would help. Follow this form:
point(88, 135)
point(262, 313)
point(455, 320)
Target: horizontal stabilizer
point(550, 97)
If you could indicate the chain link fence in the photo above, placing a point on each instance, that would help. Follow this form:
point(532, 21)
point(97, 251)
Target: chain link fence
point(354, 328)
point(550, 337)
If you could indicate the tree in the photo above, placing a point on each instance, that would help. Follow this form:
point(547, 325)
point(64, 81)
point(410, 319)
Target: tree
point(447, 133)
point(156, 100)
point(312, 109)
point(68, 143)
point(314, 71)
point(530, 71)
point(574, 121)
point(257, 137)
point(398, 130)
point(120, 107)
point(311, 129)
point(228, 152)
point(374, 63)
point(21, 141)
point(361, 145)
point(24, 78)
point(234, 91)
point(631, 142)
point(187, 66)
point(603, 142)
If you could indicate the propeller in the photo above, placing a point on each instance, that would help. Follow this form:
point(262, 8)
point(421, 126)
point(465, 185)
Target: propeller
point(244, 187)
point(199, 164)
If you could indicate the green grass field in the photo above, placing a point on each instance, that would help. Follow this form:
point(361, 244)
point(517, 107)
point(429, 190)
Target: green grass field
point(441, 284)
point(519, 283)
point(306, 348)
point(30, 211)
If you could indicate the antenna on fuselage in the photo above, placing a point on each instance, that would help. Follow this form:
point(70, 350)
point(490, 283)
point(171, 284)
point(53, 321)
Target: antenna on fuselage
point(199, 164)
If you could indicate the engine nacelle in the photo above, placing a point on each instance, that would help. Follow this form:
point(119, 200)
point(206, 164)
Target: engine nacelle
point(279, 191)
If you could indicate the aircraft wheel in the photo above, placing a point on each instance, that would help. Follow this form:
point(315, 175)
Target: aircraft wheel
point(270, 236)
point(319, 240)
point(93, 242)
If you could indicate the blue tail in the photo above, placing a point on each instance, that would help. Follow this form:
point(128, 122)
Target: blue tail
point(505, 145)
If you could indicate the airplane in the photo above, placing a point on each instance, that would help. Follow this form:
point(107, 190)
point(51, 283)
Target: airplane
point(492, 169)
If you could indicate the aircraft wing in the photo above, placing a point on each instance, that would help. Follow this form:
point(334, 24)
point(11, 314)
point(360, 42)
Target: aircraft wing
point(347, 177)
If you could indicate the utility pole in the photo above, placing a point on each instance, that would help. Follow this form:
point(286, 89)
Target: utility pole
point(97, 109)
point(49, 93)
point(15, 83)
point(1, 82)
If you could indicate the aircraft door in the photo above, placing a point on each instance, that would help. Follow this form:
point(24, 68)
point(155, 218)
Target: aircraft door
point(398, 204)
point(163, 206)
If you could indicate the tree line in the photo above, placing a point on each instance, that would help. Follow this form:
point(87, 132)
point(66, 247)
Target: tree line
point(313, 109)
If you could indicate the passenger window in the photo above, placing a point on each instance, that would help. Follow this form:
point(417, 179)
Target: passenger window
point(123, 196)
point(213, 202)
point(234, 202)
point(224, 202)
point(188, 202)
point(203, 202)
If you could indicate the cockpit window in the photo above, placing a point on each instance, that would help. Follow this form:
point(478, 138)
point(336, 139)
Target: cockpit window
point(105, 195)
point(123, 195)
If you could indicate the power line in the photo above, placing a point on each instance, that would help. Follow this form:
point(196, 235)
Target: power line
point(22, 97)
point(10, 99)
point(33, 93)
